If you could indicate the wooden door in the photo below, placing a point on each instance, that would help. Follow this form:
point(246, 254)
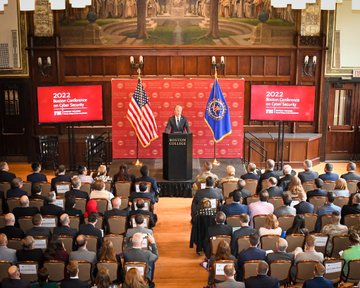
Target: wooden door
point(343, 122)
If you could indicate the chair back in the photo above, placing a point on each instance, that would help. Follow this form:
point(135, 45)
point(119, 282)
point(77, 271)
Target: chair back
point(251, 185)
point(352, 185)
point(252, 199)
point(117, 241)
point(259, 221)
point(86, 187)
point(352, 220)
point(340, 242)
point(25, 223)
point(321, 241)
point(233, 220)
point(280, 269)
point(325, 219)
point(124, 203)
point(56, 270)
point(1, 207)
point(286, 222)
point(99, 222)
point(27, 187)
point(67, 241)
point(215, 240)
point(304, 270)
point(80, 203)
point(117, 224)
point(228, 187)
point(74, 222)
point(4, 266)
point(317, 201)
point(148, 184)
point(268, 242)
point(102, 205)
point(146, 221)
point(122, 188)
point(308, 186)
point(14, 243)
point(108, 186)
point(91, 243)
point(62, 187)
point(242, 243)
point(28, 270)
point(141, 266)
point(40, 242)
point(84, 271)
point(112, 266)
point(328, 185)
point(341, 201)
point(12, 203)
point(264, 184)
point(295, 240)
point(310, 221)
point(50, 221)
point(353, 271)
point(2, 221)
point(38, 203)
point(333, 268)
point(45, 188)
point(250, 268)
point(218, 269)
point(277, 201)
point(5, 186)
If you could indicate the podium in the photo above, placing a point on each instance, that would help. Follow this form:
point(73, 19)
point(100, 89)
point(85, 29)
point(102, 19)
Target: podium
point(177, 156)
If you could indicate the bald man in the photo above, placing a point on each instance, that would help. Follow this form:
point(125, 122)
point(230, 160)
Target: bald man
point(82, 254)
point(10, 230)
point(13, 280)
point(280, 252)
point(24, 209)
point(64, 228)
point(262, 279)
point(6, 254)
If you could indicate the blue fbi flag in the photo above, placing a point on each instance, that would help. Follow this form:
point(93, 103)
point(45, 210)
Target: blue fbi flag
point(217, 114)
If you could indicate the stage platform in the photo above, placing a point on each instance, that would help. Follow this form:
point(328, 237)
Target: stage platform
point(176, 188)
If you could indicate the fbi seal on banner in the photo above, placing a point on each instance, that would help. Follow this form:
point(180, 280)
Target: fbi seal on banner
point(216, 109)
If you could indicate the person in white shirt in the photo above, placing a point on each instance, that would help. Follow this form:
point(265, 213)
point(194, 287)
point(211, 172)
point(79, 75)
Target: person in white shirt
point(100, 192)
point(271, 226)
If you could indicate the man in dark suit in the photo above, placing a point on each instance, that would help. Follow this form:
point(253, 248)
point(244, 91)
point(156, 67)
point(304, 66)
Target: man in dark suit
point(15, 190)
point(70, 209)
point(273, 189)
point(38, 229)
point(318, 281)
point(14, 279)
point(251, 253)
point(36, 176)
point(353, 208)
point(245, 230)
point(144, 171)
point(60, 177)
point(50, 208)
point(177, 123)
point(90, 229)
point(251, 174)
point(36, 192)
point(73, 281)
point(24, 209)
point(317, 191)
point(115, 211)
point(75, 191)
point(285, 181)
point(28, 252)
point(329, 175)
point(64, 228)
point(209, 192)
point(303, 206)
point(262, 279)
point(307, 174)
point(235, 208)
point(143, 194)
point(141, 209)
point(10, 230)
point(280, 252)
point(351, 174)
point(269, 172)
point(241, 188)
point(5, 175)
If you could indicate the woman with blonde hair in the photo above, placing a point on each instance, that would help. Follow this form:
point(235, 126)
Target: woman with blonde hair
point(133, 279)
point(101, 174)
point(341, 188)
point(295, 186)
point(230, 171)
point(271, 226)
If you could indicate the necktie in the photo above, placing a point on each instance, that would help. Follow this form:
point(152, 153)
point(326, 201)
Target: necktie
point(177, 122)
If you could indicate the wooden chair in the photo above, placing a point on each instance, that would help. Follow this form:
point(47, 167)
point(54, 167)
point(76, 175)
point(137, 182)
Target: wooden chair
point(50, 221)
point(40, 242)
point(14, 243)
point(38, 203)
point(228, 187)
point(102, 205)
point(108, 185)
point(140, 266)
point(25, 223)
point(321, 241)
point(317, 201)
point(308, 186)
point(67, 241)
point(233, 220)
point(259, 221)
point(341, 201)
point(45, 188)
point(242, 243)
point(328, 185)
point(325, 219)
point(74, 222)
point(99, 222)
point(91, 243)
point(310, 221)
point(4, 266)
point(117, 224)
point(80, 203)
point(85, 271)
point(277, 201)
point(215, 240)
point(351, 184)
point(122, 188)
point(264, 184)
point(251, 185)
point(62, 187)
point(112, 266)
point(286, 221)
point(295, 240)
point(353, 275)
point(86, 187)
point(252, 199)
point(124, 203)
point(28, 270)
point(27, 187)
point(352, 220)
point(304, 270)
point(340, 242)
point(5, 186)
point(2, 221)
point(12, 203)
point(56, 270)
point(333, 269)
point(148, 184)
point(250, 268)
point(268, 242)
point(218, 269)
point(146, 221)
point(280, 269)
point(117, 241)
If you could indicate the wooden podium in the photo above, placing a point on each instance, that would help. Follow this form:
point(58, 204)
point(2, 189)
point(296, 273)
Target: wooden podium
point(177, 156)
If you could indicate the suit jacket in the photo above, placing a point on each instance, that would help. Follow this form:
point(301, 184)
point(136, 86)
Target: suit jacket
point(284, 210)
point(12, 232)
point(74, 283)
point(329, 176)
point(351, 176)
point(134, 195)
point(262, 281)
point(235, 209)
point(152, 180)
point(51, 209)
point(145, 212)
point(275, 191)
point(266, 175)
point(211, 193)
point(11, 283)
point(89, 229)
point(171, 126)
point(36, 177)
point(316, 192)
point(318, 282)
point(251, 253)
point(244, 193)
point(349, 209)
point(243, 231)
point(250, 175)
point(230, 283)
point(279, 256)
point(6, 176)
point(308, 175)
point(30, 255)
point(59, 178)
point(39, 231)
point(214, 230)
point(74, 212)
point(83, 255)
point(15, 192)
point(25, 211)
point(304, 207)
point(284, 182)
point(77, 193)
point(64, 230)
point(7, 254)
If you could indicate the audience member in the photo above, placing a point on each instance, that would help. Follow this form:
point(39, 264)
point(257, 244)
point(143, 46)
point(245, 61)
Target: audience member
point(307, 175)
point(272, 187)
point(251, 172)
point(141, 209)
point(73, 281)
point(317, 191)
point(295, 187)
point(90, 229)
point(353, 208)
point(285, 181)
point(82, 253)
point(83, 177)
point(280, 252)
point(298, 226)
point(38, 229)
point(309, 252)
point(50, 208)
point(351, 174)
point(43, 280)
point(102, 279)
point(24, 209)
point(269, 172)
point(60, 176)
point(99, 192)
point(123, 174)
point(64, 228)
point(14, 280)
point(318, 281)
point(5, 175)
point(230, 282)
point(101, 174)
point(36, 176)
point(36, 192)
point(143, 194)
point(144, 171)
point(75, 189)
point(28, 252)
point(235, 208)
point(241, 188)
point(334, 228)
point(133, 279)
point(341, 188)
point(328, 208)
point(91, 207)
point(262, 279)
point(115, 211)
point(70, 203)
point(55, 250)
point(16, 188)
point(10, 230)
point(6, 254)
point(351, 253)
point(230, 171)
point(271, 226)
point(303, 206)
point(262, 206)
point(140, 228)
point(245, 230)
point(201, 178)
point(285, 209)
point(329, 174)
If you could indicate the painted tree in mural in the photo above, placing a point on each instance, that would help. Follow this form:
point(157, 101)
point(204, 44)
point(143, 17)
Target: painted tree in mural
point(214, 19)
point(141, 19)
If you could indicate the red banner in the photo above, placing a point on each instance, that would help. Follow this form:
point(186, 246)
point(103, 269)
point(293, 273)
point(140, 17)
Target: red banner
point(164, 95)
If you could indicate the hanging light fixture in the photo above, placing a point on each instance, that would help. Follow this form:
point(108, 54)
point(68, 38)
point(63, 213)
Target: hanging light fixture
point(27, 5)
point(57, 4)
point(328, 4)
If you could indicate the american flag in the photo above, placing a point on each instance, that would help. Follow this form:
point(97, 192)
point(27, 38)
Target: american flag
point(141, 116)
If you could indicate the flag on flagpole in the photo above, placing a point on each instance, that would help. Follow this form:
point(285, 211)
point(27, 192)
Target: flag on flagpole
point(141, 116)
point(217, 114)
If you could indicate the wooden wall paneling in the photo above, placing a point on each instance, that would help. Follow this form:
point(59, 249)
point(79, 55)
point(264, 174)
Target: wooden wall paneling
point(110, 65)
point(69, 65)
point(96, 66)
point(286, 151)
point(190, 65)
point(244, 65)
point(123, 66)
point(150, 66)
point(83, 66)
point(271, 147)
point(204, 66)
point(284, 65)
point(177, 66)
point(298, 151)
point(107, 111)
point(163, 64)
point(231, 66)
point(257, 66)
point(271, 65)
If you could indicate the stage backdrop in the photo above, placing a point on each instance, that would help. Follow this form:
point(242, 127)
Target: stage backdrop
point(164, 95)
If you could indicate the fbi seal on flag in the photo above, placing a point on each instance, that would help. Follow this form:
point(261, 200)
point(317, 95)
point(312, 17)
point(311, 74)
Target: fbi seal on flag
point(216, 109)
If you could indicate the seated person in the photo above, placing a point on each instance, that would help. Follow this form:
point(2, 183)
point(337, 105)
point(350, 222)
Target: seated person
point(353, 252)
point(271, 226)
point(229, 273)
point(123, 174)
point(75, 189)
point(36, 192)
point(245, 230)
point(84, 178)
point(73, 281)
point(350, 175)
point(14, 279)
point(329, 174)
point(24, 209)
point(5, 175)
point(341, 188)
point(303, 206)
point(230, 171)
point(140, 228)
point(82, 253)
point(60, 176)
point(285, 181)
point(235, 208)
point(318, 280)
point(317, 191)
point(71, 210)
point(36, 176)
point(328, 208)
point(6, 254)
point(272, 187)
point(101, 174)
point(252, 172)
point(50, 208)
point(241, 188)
point(269, 172)
point(285, 209)
point(10, 230)
point(55, 250)
point(262, 279)
point(90, 229)
point(143, 194)
point(141, 209)
point(38, 229)
point(201, 178)
point(353, 208)
point(262, 206)
point(28, 252)
point(64, 226)
point(280, 252)
point(16, 188)
point(100, 192)
point(298, 226)
point(115, 211)
point(144, 171)
point(308, 175)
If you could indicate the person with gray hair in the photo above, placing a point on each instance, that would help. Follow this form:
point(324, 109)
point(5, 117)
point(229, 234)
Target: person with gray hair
point(230, 282)
point(50, 208)
point(285, 180)
point(6, 254)
point(280, 252)
point(308, 174)
point(230, 175)
point(269, 172)
point(10, 230)
point(272, 188)
point(75, 189)
point(5, 175)
point(14, 279)
point(24, 209)
point(251, 172)
point(351, 172)
point(262, 279)
point(64, 228)
point(329, 175)
point(16, 188)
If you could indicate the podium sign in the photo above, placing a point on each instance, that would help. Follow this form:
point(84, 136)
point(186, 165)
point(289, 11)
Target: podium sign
point(177, 156)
